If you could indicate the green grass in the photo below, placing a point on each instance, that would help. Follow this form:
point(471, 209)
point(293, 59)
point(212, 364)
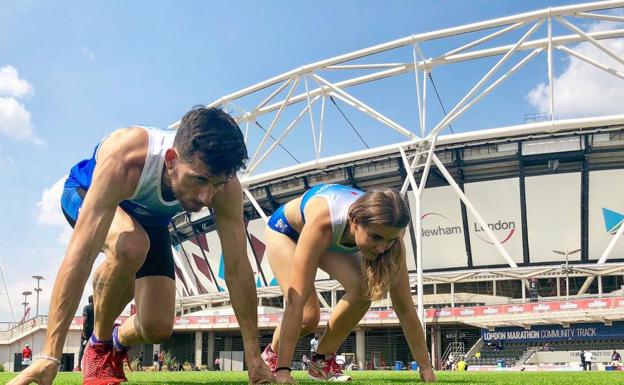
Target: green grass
point(368, 378)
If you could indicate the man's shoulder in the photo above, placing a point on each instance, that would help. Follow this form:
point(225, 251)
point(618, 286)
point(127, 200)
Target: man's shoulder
point(128, 145)
point(122, 157)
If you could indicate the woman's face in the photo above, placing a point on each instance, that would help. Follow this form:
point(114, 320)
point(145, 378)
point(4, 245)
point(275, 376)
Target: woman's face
point(374, 240)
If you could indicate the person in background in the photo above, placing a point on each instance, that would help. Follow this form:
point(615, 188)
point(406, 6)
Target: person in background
point(161, 361)
point(451, 362)
point(155, 360)
point(217, 363)
point(139, 366)
point(588, 360)
point(314, 343)
point(615, 359)
point(461, 365)
point(88, 321)
point(26, 355)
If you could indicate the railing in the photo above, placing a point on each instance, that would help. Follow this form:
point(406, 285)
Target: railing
point(527, 355)
point(4, 326)
point(457, 349)
point(14, 329)
point(475, 348)
point(574, 310)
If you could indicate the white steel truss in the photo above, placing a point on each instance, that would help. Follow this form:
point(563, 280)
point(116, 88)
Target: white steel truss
point(280, 98)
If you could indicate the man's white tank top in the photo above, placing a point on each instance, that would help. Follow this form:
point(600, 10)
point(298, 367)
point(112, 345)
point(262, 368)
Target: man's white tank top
point(147, 204)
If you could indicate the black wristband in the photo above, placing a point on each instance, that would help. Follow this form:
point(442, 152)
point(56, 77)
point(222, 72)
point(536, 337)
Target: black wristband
point(283, 368)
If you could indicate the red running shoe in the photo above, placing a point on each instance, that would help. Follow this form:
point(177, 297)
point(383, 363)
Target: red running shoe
point(119, 358)
point(270, 358)
point(98, 365)
point(327, 369)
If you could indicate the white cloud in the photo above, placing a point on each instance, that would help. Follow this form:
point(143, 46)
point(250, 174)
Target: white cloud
point(11, 84)
point(89, 53)
point(49, 207)
point(14, 119)
point(49, 210)
point(583, 89)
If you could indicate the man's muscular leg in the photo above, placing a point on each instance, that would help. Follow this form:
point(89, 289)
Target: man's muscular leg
point(153, 322)
point(126, 246)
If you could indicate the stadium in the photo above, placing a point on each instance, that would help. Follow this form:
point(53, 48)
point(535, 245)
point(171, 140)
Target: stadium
point(514, 247)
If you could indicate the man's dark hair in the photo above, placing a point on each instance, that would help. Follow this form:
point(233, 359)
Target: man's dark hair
point(214, 136)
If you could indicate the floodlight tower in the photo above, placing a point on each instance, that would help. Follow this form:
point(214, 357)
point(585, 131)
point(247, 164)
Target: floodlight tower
point(38, 290)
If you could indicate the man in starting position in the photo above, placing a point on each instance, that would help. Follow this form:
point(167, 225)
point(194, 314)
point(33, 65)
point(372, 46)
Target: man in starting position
point(120, 201)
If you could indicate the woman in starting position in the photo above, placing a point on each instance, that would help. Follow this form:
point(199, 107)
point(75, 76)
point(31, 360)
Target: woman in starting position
point(356, 238)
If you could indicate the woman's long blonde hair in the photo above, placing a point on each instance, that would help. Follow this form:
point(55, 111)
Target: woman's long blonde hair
point(383, 207)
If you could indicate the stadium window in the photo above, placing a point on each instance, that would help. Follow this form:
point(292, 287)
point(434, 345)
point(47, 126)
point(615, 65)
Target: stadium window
point(481, 287)
point(444, 288)
point(612, 283)
point(509, 288)
point(547, 287)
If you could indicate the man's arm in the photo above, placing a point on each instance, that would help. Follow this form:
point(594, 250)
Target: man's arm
point(120, 161)
point(114, 179)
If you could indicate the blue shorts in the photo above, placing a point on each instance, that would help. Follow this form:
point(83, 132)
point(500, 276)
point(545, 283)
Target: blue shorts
point(159, 259)
point(279, 223)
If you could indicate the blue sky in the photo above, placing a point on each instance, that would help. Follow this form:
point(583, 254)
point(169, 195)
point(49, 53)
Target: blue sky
point(78, 70)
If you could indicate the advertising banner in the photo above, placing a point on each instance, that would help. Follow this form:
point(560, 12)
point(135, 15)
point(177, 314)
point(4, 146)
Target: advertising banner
point(606, 212)
point(553, 216)
point(442, 230)
point(591, 306)
point(542, 333)
point(498, 202)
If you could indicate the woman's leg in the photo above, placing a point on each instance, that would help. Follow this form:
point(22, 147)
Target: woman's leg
point(280, 251)
point(346, 269)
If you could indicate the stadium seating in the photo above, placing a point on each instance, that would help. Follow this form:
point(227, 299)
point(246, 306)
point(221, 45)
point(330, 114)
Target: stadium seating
point(509, 355)
point(511, 352)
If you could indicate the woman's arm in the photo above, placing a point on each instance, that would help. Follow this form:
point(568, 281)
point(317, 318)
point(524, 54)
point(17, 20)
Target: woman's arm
point(410, 323)
point(314, 240)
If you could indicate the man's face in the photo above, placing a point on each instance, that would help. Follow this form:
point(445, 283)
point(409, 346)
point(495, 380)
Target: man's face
point(192, 182)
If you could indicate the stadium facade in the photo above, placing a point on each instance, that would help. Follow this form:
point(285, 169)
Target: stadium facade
point(515, 232)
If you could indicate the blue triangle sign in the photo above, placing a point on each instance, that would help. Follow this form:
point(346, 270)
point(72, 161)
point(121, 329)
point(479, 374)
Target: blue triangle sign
point(612, 219)
point(221, 267)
